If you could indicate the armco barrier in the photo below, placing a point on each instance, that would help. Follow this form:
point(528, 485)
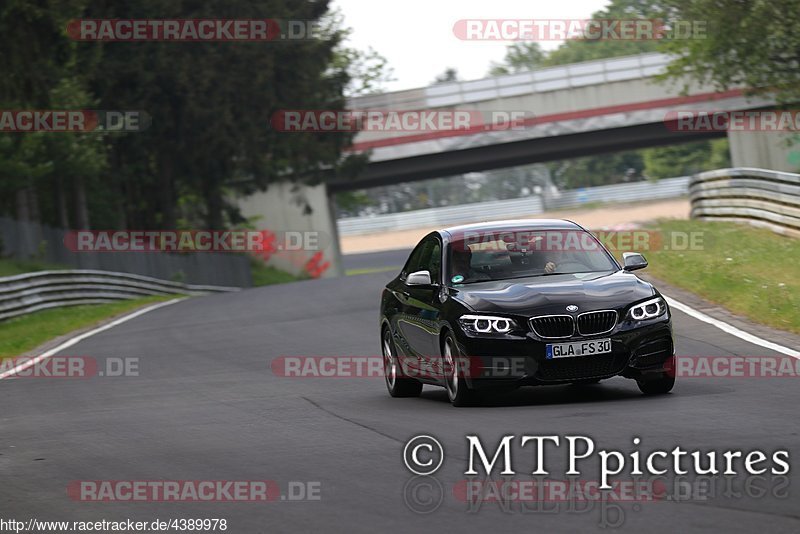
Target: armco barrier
point(759, 197)
point(445, 216)
point(30, 292)
point(629, 192)
point(515, 208)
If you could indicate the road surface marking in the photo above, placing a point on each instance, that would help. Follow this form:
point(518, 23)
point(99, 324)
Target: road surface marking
point(70, 342)
point(732, 330)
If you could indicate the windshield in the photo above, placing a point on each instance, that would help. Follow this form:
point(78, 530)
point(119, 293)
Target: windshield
point(478, 256)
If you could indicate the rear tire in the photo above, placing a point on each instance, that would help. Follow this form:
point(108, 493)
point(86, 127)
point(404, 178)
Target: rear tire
point(458, 392)
point(658, 386)
point(397, 384)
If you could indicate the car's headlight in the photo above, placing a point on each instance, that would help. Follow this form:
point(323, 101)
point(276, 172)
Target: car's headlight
point(486, 324)
point(649, 309)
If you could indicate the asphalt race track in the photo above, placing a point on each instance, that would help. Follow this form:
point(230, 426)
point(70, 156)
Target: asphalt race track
point(207, 406)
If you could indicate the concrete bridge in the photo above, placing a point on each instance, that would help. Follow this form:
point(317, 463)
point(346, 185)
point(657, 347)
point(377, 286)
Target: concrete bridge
point(574, 110)
point(570, 111)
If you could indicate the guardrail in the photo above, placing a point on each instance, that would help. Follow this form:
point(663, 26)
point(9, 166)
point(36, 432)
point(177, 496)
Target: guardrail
point(630, 192)
point(444, 216)
point(759, 197)
point(514, 208)
point(26, 293)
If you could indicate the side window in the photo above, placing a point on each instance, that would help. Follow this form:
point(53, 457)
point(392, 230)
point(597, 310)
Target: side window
point(435, 262)
point(414, 260)
point(426, 257)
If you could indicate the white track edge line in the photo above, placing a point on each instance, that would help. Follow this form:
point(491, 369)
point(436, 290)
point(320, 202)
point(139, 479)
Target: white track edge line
point(732, 330)
point(72, 341)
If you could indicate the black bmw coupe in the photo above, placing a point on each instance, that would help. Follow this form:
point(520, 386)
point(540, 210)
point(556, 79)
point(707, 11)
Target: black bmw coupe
point(494, 306)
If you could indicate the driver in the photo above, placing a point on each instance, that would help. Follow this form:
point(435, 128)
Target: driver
point(462, 266)
point(547, 260)
point(551, 265)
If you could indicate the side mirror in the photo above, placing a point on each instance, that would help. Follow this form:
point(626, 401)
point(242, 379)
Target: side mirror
point(633, 261)
point(419, 278)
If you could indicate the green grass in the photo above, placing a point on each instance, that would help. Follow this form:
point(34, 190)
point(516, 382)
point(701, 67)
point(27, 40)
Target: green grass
point(25, 333)
point(370, 270)
point(10, 267)
point(29, 331)
point(750, 271)
point(264, 275)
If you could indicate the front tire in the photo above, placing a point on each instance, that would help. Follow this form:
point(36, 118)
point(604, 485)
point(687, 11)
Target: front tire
point(457, 390)
point(658, 386)
point(397, 384)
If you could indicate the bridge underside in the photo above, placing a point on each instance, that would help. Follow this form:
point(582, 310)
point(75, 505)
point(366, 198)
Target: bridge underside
point(536, 150)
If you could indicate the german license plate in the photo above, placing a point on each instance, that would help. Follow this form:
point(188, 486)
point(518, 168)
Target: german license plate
point(578, 348)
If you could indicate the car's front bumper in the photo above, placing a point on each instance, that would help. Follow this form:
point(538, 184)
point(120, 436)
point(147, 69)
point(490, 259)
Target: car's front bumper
point(521, 360)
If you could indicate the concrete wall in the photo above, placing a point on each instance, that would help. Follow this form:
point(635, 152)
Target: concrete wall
point(281, 210)
point(764, 150)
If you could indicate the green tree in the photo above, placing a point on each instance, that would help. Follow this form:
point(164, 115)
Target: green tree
point(597, 170)
point(42, 175)
point(754, 43)
point(367, 69)
point(449, 75)
point(631, 165)
point(519, 57)
point(576, 50)
point(211, 105)
point(685, 159)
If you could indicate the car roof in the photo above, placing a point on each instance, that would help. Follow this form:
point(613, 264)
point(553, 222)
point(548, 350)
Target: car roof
point(537, 224)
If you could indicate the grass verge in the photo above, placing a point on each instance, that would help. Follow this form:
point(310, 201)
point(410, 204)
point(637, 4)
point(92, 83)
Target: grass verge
point(371, 270)
point(265, 275)
point(750, 271)
point(25, 333)
point(9, 267)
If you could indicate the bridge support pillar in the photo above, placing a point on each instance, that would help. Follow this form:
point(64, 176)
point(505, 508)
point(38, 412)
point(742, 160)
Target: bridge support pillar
point(303, 221)
point(764, 150)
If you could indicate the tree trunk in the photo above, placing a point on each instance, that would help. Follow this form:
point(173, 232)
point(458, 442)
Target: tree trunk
point(81, 207)
point(61, 204)
point(166, 196)
point(23, 205)
point(214, 207)
point(33, 203)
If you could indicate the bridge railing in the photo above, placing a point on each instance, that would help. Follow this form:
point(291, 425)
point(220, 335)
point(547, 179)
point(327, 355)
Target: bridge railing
point(759, 197)
point(509, 85)
point(26, 293)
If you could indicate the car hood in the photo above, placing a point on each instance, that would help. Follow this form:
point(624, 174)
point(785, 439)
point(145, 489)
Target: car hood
point(553, 293)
